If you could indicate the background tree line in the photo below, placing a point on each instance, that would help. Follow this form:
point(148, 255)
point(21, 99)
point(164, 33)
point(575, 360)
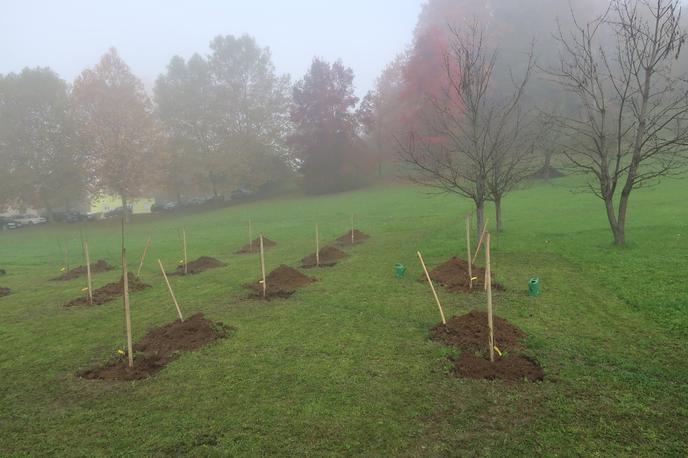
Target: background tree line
point(486, 94)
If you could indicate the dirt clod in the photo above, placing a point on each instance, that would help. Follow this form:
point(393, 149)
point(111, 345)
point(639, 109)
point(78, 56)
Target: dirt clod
point(510, 367)
point(198, 266)
point(358, 237)
point(453, 275)
point(159, 347)
point(3, 271)
point(4, 291)
point(109, 292)
point(329, 256)
point(254, 246)
point(281, 282)
point(96, 267)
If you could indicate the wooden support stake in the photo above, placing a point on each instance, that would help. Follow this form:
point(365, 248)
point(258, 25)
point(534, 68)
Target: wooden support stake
point(488, 282)
point(250, 236)
point(262, 267)
point(468, 248)
point(432, 287)
point(143, 256)
point(169, 288)
point(127, 310)
point(186, 261)
point(352, 228)
point(482, 235)
point(88, 273)
point(317, 247)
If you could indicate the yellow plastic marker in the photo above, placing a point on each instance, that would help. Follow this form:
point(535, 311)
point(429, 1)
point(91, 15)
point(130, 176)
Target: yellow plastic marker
point(474, 278)
point(121, 352)
point(497, 349)
point(181, 261)
point(62, 269)
point(84, 289)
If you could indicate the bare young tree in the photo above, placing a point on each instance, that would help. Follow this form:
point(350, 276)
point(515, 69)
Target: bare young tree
point(631, 126)
point(476, 136)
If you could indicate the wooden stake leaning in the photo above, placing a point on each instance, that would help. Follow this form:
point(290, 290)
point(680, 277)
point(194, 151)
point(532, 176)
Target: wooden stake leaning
point(317, 247)
point(127, 309)
point(143, 256)
point(468, 248)
point(352, 228)
point(482, 236)
point(186, 261)
point(169, 288)
point(432, 287)
point(88, 273)
point(488, 282)
point(262, 267)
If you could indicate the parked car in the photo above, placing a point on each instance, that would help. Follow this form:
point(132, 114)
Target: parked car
point(117, 212)
point(241, 193)
point(70, 217)
point(29, 220)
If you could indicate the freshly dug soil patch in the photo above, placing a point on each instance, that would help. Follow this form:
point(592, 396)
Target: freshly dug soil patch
point(199, 265)
point(110, 291)
point(546, 172)
point(159, 347)
point(453, 275)
point(510, 367)
point(469, 332)
point(358, 237)
point(254, 247)
point(282, 282)
point(3, 271)
point(4, 291)
point(329, 256)
point(96, 267)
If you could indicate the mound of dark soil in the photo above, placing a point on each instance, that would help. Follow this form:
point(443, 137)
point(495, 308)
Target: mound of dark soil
point(4, 291)
point(3, 271)
point(110, 291)
point(159, 347)
point(96, 267)
point(509, 367)
point(453, 275)
point(546, 172)
point(329, 256)
point(358, 237)
point(199, 265)
point(254, 247)
point(282, 282)
point(469, 332)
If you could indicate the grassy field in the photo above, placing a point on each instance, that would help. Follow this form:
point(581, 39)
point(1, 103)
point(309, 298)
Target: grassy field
point(344, 367)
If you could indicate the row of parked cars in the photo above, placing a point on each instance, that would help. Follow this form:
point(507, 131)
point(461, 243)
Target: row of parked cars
point(17, 221)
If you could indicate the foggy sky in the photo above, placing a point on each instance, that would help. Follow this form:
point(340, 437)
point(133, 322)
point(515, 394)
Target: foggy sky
point(70, 35)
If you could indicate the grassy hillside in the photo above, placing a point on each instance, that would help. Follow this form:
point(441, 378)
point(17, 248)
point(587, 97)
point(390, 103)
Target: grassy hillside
point(344, 367)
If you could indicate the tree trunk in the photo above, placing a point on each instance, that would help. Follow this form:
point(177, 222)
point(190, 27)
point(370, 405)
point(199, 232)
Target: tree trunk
point(125, 209)
point(213, 185)
point(618, 230)
point(498, 213)
point(548, 160)
point(480, 213)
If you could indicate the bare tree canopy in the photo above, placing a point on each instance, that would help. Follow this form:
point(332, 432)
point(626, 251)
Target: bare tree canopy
point(631, 123)
point(477, 137)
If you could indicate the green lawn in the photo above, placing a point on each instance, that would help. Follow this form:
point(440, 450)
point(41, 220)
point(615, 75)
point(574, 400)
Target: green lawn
point(344, 367)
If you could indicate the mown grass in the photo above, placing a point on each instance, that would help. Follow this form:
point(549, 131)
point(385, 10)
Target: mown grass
point(344, 367)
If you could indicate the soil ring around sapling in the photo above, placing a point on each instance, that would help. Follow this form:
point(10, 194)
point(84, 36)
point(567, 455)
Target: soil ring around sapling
point(329, 255)
point(3, 272)
point(109, 292)
point(4, 292)
point(159, 347)
point(199, 265)
point(96, 267)
point(281, 283)
point(359, 237)
point(254, 246)
point(453, 275)
point(470, 333)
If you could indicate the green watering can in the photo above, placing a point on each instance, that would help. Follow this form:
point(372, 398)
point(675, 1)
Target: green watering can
point(534, 287)
point(399, 270)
